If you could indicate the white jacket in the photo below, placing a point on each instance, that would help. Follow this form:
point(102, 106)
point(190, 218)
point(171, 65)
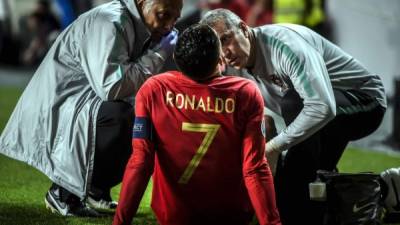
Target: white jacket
point(97, 58)
point(294, 58)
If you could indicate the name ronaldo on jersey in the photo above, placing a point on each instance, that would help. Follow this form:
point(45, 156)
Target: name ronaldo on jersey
point(206, 104)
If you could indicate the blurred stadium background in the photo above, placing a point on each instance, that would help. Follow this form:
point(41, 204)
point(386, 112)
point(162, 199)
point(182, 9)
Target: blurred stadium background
point(367, 29)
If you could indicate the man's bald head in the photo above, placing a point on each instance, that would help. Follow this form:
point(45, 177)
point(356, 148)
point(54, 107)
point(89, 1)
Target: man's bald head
point(160, 16)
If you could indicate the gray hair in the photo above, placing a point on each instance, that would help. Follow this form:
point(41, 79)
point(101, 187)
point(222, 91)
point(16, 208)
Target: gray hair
point(230, 19)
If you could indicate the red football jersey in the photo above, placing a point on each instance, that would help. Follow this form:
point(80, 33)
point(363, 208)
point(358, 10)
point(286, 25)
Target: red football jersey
point(206, 145)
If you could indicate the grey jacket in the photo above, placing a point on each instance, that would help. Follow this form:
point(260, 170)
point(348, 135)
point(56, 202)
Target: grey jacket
point(97, 58)
point(292, 57)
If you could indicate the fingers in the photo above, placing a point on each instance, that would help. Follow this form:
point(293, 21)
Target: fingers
point(173, 35)
point(170, 39)
point(272, 158)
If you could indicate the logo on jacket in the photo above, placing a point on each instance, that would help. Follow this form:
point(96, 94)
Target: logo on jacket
point(357, 208)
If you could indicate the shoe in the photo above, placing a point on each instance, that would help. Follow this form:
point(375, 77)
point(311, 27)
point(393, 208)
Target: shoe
point(72, 207)
point(100, 198)
point(101, 203)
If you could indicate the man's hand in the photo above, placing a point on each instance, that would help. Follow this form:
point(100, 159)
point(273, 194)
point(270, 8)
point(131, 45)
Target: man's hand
point(167, 44)
point(272, 157)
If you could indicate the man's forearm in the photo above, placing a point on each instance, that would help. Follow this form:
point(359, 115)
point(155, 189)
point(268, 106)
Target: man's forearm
point(261, 191)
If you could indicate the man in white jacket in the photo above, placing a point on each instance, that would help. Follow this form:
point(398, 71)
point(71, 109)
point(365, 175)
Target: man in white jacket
point(325, 96)
point(73, 121)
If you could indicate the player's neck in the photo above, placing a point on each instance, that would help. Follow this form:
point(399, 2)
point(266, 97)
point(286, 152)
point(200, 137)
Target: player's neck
point(210, 77)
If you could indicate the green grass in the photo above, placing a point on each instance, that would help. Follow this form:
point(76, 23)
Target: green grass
point(22, 188)
point(8, 99)
point(22, 191)
point(357, 160)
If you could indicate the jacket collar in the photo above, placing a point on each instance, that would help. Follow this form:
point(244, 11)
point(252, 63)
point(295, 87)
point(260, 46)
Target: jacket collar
point(258, 56)
point(134, 11)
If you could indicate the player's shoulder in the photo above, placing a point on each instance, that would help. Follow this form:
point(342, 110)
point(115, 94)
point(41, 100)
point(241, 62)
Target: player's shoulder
point(244, 88)
point(237, 82)
point(246, 92)
point(161, 79)
point(164, 77)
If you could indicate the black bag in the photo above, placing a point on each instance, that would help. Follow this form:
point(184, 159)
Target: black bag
point(352, 199)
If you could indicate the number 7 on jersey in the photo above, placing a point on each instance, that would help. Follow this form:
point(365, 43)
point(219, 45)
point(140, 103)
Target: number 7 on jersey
point(210, 130)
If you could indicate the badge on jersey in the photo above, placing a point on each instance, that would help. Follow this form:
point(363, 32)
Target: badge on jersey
point(142, 128)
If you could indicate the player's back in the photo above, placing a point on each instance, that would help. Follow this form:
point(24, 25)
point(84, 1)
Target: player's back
point(199, 131)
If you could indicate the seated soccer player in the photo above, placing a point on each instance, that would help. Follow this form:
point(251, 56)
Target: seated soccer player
point(202, 135)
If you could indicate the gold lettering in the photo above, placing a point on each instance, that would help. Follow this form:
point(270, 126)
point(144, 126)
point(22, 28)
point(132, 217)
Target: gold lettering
point(189, 101)
point(219, 105)
point(208, 104)
point(181, 103)
point(169, 97)
point(200, 104)
point(230, 108)
point(209, 109)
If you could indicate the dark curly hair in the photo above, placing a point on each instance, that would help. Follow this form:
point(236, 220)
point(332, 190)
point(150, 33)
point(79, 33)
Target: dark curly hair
point(197, 51)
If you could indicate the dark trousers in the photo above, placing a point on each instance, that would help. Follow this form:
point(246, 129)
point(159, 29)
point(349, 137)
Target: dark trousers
point(320, 151)
point(113, 147)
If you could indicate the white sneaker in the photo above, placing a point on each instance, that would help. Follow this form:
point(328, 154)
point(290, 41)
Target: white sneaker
point(73, 208)
point(101, 203)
